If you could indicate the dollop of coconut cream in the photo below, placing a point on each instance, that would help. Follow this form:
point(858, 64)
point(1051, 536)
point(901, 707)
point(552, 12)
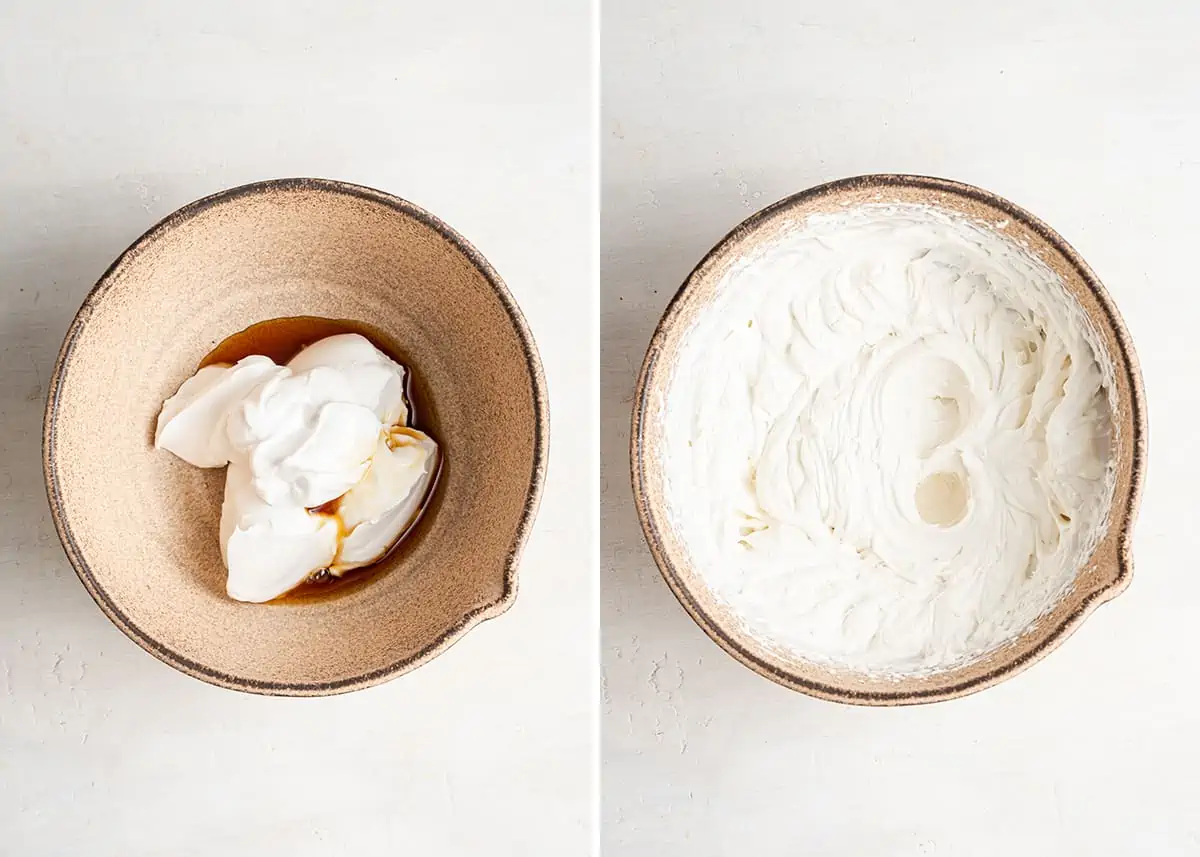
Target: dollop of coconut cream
point(887, 441)
point(325, 473)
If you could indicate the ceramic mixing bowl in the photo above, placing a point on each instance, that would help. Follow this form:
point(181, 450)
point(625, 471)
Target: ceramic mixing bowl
point(140, 526)
point(1102, 576)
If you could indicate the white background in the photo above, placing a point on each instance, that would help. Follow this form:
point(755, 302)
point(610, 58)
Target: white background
point(112, 115)
point(1087, 114)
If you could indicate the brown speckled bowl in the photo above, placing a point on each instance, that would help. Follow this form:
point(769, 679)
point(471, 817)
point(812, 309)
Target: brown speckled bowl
point(140, 526)
point(1103, 576)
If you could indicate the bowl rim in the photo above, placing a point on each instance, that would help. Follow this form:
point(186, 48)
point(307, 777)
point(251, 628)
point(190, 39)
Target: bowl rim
point(1128, 365)
point(533, 492)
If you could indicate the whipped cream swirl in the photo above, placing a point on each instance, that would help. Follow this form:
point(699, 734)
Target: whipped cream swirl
point(325, 473)
point(888, 440)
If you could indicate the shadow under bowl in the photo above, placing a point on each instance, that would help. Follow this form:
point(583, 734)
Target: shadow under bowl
point(140, 525)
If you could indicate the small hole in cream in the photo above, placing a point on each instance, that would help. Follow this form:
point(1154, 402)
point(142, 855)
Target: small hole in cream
point(942, 499)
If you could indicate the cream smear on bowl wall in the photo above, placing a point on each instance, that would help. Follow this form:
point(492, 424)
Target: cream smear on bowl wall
point(888, 440)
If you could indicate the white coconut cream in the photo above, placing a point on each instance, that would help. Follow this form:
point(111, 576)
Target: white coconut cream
point(325, 471)
point(887, 441)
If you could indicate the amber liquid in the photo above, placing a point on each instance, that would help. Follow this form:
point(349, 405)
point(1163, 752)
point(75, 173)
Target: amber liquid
point(281, 339)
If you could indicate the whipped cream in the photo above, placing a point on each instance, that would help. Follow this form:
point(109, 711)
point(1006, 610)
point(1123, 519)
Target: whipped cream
point(887, 441)
point(325, 473)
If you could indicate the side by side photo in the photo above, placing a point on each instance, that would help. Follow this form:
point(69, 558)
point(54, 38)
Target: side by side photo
point(598, 428)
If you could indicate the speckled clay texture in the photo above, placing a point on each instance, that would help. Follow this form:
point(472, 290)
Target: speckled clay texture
point(1104, 575)
point(140, 526)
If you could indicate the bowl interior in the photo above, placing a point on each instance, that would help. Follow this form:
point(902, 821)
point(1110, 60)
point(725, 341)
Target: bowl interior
point(141, 526)
point(1101, 577)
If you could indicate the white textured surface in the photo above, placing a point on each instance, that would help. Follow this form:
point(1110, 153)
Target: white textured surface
point(845, 366)
point(1086, 113)
point(113, 115)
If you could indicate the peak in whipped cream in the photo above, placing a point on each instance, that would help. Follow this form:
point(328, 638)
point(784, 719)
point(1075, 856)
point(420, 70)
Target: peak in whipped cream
point(325, 473)
point(887, 440)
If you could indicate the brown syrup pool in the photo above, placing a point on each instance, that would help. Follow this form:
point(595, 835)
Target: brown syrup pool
point(281, 339)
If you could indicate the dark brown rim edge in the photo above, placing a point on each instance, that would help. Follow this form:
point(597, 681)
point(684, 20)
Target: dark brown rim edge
point(536, 478)
point(1129, 364)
